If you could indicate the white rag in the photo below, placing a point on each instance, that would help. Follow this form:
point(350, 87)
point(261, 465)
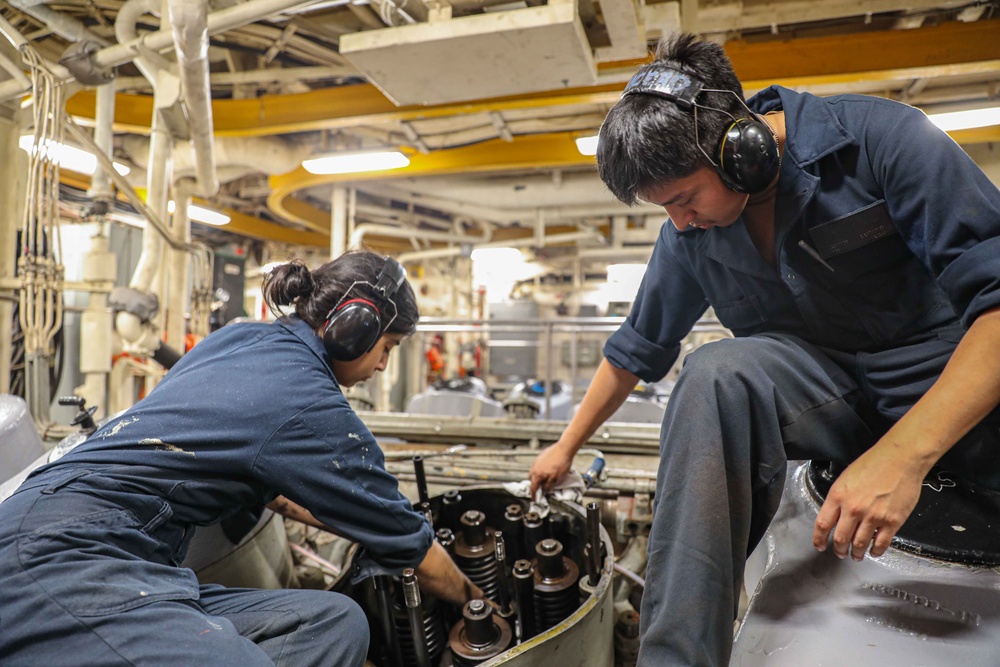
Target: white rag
point(569, 488)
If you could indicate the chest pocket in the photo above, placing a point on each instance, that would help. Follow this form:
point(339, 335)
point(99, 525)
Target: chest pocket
point(862, 243)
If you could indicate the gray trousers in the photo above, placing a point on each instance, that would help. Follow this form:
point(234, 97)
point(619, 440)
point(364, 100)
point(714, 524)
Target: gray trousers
point(739, 411)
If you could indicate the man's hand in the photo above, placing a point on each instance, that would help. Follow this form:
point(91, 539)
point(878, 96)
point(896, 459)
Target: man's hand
point(549, 467)
point(870, 501)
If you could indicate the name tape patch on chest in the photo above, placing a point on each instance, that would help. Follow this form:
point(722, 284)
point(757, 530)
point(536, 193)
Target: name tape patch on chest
point(852, 231)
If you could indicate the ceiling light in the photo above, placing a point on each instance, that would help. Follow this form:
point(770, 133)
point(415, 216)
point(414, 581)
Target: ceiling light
point(964, 120)
point(202, 214)
point(69, 157)
point(587, 145)
point(349, 163)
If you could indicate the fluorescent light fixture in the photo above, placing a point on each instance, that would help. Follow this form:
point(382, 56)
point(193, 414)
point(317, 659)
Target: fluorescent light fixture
point(587, 145)
point(202, 214)
point(349, 163)
point(69, 157)
point(964, 120)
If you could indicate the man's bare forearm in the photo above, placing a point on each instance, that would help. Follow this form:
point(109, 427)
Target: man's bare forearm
point(967, 390)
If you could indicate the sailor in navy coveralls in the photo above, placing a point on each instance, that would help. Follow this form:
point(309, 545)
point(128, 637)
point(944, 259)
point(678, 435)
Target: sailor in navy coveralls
point(252, 416)
point(854, 251)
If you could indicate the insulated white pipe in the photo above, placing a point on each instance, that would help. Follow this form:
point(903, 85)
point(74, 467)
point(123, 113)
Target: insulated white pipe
point(179, 263)
point(220, 21)
point(526, 242)
point(125, 32)
point(257, 76)
point(189, 20)
point(408, 233)
point(157, 179)
point(508, 216)
point(127, 50)
point(14, 69)
point(100, 182)
point(62, 25)
point(15, 38)
point(242, 155)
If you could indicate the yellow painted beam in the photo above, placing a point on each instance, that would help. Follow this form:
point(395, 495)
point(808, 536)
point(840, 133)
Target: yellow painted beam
point(863, 53)
point(239, 223)
point(539, 151)
point(978, 135)
point(922, 52)
point(263, 230)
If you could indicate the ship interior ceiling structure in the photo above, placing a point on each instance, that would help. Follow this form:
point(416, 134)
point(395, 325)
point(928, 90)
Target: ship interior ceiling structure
point(162, 156)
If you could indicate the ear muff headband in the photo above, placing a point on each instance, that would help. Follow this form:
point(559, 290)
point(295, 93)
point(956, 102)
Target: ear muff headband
point(748, 150)
point(355, 323)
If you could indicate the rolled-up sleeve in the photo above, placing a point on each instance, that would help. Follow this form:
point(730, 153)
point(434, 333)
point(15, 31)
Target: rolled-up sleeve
point(945, 207)
point(667, 305)
point(326, 460)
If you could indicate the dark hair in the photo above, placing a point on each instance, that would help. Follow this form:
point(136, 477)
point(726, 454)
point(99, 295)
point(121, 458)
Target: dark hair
point(647, 140)
point(316, 293)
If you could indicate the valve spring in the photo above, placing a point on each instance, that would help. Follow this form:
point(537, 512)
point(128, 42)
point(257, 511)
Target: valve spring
point(555, 593)
point(475, 554)
point(482, 571)
point(433, 631)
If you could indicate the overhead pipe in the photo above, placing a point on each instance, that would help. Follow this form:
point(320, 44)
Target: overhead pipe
point(508, 216)
point(257, 76)
point(127, 50)
point(220, 21)
point(394, 215)
point(189, 21)
point(15, 70)
point(409, 233)
point(525, 242)
point(150, 63)
point(179, 262)
point(100, 182)
point(238, 155)
point(65, 26)
point(137, 329)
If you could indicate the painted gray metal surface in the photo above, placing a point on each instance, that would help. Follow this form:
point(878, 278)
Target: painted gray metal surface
point(809, 608)
point(19, 440)
point(610, 437)
point(453, 403)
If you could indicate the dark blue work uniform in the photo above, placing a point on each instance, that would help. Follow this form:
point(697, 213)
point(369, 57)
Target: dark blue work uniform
point(90, 544)
point(887, 240)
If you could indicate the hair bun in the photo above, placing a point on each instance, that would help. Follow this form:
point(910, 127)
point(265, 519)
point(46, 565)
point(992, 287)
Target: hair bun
point(299, 281)
point(289, 282)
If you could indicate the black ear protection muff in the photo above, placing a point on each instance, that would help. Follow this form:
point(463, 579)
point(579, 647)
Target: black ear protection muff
point(748, 158)
point(356, 323)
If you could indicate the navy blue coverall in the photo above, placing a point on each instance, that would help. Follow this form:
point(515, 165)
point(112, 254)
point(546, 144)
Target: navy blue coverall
point(90, 545)
point(833, 345)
